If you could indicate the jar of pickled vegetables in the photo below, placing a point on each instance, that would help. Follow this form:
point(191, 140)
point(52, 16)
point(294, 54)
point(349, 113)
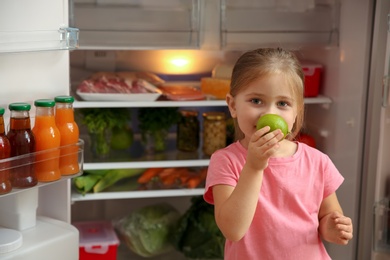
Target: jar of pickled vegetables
point(188, 131)
point(214, 132)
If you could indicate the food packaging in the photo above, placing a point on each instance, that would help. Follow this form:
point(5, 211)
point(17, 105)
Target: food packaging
point(98, 240)
point(181, 92)
point(215, 88)
point(312, 72)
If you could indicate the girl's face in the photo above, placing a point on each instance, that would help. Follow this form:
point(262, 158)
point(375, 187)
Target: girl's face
point(267, 95)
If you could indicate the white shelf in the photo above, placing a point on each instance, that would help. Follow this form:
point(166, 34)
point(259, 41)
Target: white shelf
point(202, 103)
point(137, 194)
point(146, 164)
point(22, 41)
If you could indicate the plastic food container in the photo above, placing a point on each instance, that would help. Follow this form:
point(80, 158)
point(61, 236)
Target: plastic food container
point(312, 72)
point(98, 240)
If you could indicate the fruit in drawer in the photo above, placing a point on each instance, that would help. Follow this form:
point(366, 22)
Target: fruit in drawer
point(274, 122)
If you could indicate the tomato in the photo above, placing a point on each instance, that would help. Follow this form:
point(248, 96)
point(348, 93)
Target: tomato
point(306, 139)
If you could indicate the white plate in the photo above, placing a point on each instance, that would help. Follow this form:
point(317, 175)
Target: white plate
point(118, 96)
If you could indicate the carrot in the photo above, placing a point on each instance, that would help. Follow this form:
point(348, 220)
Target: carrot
point(193, 181)
point(203, 173)
point(171, 175)
point(148, 175)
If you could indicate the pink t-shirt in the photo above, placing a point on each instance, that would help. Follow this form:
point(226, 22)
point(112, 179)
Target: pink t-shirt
point(285, 224)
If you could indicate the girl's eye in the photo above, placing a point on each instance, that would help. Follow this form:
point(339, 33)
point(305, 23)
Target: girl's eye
point(255, 101)
point(283, 104)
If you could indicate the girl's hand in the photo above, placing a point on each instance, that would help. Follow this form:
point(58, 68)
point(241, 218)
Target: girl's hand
point(336, 228)
point(262, 146)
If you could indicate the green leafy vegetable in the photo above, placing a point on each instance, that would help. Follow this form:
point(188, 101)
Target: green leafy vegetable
point(197, 235)
point(147, 230)
point(101, 121)
point(155, 122)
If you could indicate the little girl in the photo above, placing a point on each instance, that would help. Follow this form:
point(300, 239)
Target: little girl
point(274, 198)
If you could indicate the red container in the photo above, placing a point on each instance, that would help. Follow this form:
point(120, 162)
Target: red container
point(312, 73)
point(98, 240)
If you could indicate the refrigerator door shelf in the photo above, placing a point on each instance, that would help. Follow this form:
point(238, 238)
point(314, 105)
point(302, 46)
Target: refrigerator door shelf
point(62, 39)
point(13, 163)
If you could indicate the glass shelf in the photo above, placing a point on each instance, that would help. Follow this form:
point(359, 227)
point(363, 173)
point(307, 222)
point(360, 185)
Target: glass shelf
point(137, 194)
point(202, 103)
point(23, 41)
point(14, 163)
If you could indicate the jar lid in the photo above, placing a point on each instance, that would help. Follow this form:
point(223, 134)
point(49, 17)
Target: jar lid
point(19, 106)
point(64, 99)
point(189, 113)
point(214, 115)
point(44, 103)
point(10, 240)
point(2, 110)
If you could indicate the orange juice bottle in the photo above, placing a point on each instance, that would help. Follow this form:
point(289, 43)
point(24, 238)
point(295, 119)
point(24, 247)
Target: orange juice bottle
point(5, 152)
point(47, 141)
point(69, 135)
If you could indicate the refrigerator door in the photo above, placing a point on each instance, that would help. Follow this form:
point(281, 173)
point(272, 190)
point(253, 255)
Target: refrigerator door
point(376, 164)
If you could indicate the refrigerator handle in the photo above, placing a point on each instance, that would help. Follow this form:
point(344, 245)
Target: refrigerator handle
point(385, 80)
point(385, 91)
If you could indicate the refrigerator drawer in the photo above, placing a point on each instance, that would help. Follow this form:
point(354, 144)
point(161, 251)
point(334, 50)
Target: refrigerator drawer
point(131, 24)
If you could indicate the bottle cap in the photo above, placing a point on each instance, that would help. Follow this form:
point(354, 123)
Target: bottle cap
point(10, 240)
point(214, 115)
point(64, 99)
point(44, 103)
point(2, 110)
point(189, 113)
point(19, 106)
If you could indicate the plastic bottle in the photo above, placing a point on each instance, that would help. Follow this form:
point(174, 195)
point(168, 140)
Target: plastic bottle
point(5, 152)
point(22, 140)
point(69, 130)
point(47, 141)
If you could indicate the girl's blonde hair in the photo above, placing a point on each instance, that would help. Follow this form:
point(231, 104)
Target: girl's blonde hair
point(258, 63)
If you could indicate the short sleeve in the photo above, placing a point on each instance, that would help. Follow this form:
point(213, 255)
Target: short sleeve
point(224, 168)
point(333, 178)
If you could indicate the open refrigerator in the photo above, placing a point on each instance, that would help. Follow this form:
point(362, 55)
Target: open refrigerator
point(348, 120)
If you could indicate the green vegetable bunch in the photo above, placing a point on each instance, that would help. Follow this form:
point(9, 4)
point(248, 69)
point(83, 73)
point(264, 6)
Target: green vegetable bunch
point(197, 235)
point(155, 123)
point(147, 230)
point(101, 121)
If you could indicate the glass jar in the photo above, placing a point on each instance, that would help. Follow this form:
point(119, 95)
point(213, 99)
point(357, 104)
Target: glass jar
point(214, 132)
point(22, 140)
point(47, 139)
point(188, 131)
point(69, 132)
point(5, 152)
